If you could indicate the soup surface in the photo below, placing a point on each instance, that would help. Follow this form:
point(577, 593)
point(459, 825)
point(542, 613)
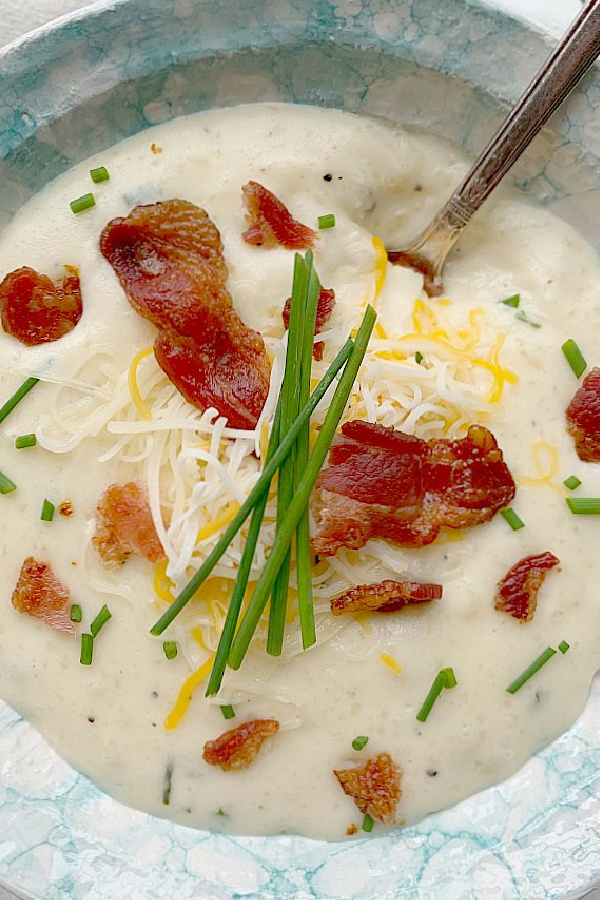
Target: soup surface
point(103, 412)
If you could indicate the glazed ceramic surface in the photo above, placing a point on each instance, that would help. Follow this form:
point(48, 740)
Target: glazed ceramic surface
point(122, 67)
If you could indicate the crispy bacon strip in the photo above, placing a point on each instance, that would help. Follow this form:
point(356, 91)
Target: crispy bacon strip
point(271, 222)
point(169, 259)
point(583, 418)
point(124, 525)
point(325, 305)
point(383, 483)
point(237, 748)
point(517, 592)
point(374, 787)
point(387, 596)
point(37, 310)
point(39, 593)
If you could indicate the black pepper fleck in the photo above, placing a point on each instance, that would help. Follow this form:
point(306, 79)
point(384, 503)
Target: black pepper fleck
point(418, 188)
point(432, 772)
point(91, 719)
point(328, 177)
point(155, 694)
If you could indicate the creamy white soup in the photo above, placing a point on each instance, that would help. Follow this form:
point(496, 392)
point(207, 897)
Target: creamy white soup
point(103, 412)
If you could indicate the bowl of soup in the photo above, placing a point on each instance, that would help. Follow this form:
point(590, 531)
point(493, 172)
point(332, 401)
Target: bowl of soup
point(410, 708)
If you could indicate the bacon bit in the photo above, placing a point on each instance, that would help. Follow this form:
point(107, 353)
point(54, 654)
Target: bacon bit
point(583, 418)
point(66, 509)
point(518, 590)
point(169, 259)
point(325, 305)
point(352, 829)
point(39, 593)
point(271, 222)
point(37, 310)
point(237, 748)
point(374, 787)
point(384, 483)
point(385, 597)
point(124, 525)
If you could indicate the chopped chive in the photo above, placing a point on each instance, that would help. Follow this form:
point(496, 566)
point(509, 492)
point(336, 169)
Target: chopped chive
point(167, 784)
point(574, 357)
point(572, 482)
point(170, 649)
point(523, 318)
point(326, 221)
point(7, 486)
point(16, 398)
point(305, 485)
point(25, 440)
point(360, 742)
point(86, 201)
point(75, 614)
point(448, 678)
point(584, 506)
point(367, 824)
point(444, 679)
point(563, 647)
point(228, 712)
point(419, 357)
point(531, 670)
point(513, 301)
point(47, 513)
point(512, 518)
point(99, 175)
point(87, 649)
point(101, 619)
point(256, 493)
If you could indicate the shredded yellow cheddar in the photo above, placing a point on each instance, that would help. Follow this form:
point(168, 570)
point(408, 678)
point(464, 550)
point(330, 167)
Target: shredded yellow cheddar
point(133, 383)
point(391, 663)
point(184, 698)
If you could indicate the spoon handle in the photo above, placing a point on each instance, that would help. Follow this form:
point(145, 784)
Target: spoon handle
point(558, 76)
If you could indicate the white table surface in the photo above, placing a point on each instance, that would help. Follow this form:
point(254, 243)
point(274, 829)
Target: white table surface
point(20, 16)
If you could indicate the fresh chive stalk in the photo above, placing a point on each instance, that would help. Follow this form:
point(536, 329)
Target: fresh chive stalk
point(7, 486)
point(584, 506)
point(367, 824)
point(16, 398)
point(305, 485)
point(170, 649)
point(86, 201)
point(99, 175)
point(574, 357)
point(513, 301)
point(101, 619)
point(563, 647)
point(522, 317)
point(360, 742)
point(87, 649)
point(75, 613)
point(512, 518)
point(47, 513)
point(261, 487)
point(228, 712)
point(326, 221)
point(25, 440)
point(444, 679)
point(531, 670)
point(572, 482)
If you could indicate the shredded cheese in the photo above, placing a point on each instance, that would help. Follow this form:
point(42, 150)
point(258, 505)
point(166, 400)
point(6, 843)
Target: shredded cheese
point(184, 698)
point(391, 663)
point(133, 383)
point(547, 468)
point(212, 527)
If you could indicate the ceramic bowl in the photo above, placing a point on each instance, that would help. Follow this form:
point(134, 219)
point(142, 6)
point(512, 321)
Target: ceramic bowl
point(93, 79)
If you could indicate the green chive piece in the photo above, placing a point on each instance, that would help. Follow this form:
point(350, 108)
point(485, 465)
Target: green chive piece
point(167, 784)
point(574, 357)
point(25, 440)
point(99, 175)
point(523, 318)
point(360, 742)
point(170, 649)
point(47, 513)
point(572, 482)
point(584, 506)
point(256, 493)
point(16, 398)
point(513, 301)
point(87, 649)
point(563, 647)
point(86, 201)
point(419, 357)
point(326, 221)
point(367, 824)
point(444, 679)
point(228, 712)
point(75, 614)
point(531, 670)
point(512, 518)
point(101, 619)
point(305, 485)
point(6, 485)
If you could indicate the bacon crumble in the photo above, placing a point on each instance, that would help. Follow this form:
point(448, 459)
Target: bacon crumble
point(374, 787)
point(517, 592)
point(36, 310)
point(238, 747)
point(583, 417)
point(270, 222)
point(41, 594)
point(169, 260)
point(124, 525)
point(383, 483)
point(386, 597)
point(325, 305)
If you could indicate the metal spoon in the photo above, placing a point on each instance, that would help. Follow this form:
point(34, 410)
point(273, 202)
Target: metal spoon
point(558, 76)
